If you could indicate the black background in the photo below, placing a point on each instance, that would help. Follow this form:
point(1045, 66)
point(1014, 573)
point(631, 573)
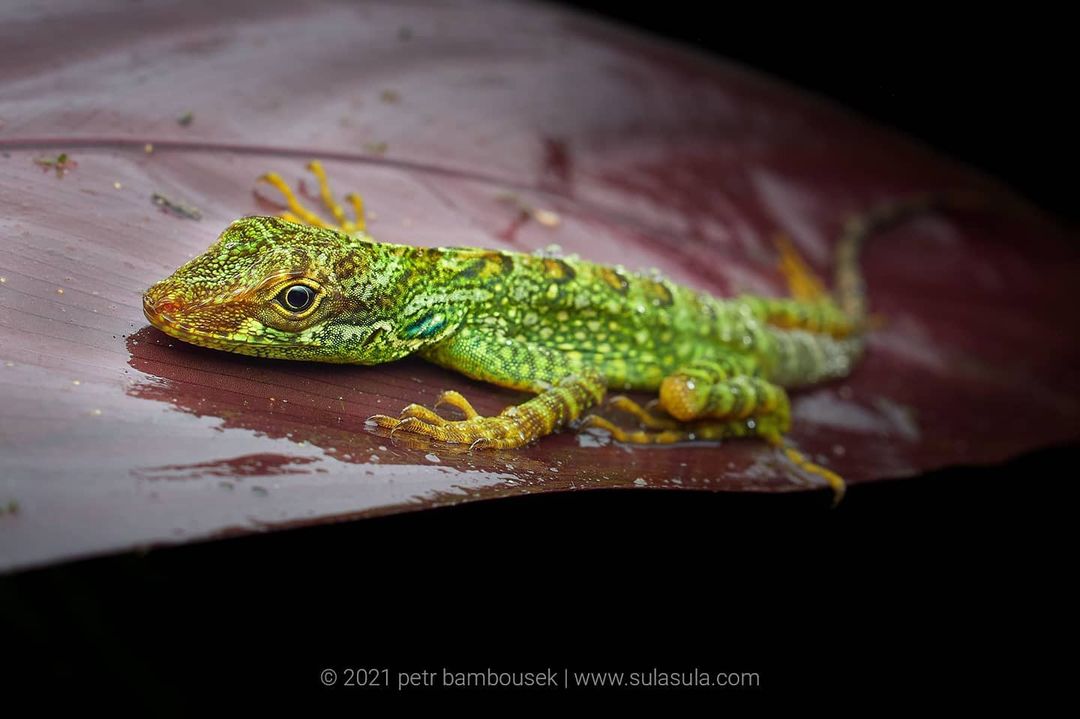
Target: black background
point(946, 588)
point(992, 87)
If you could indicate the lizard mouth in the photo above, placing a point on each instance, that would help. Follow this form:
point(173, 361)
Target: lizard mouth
point(162, 315)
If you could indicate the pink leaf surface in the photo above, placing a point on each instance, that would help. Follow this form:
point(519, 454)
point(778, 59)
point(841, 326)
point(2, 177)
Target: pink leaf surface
point(114, 436)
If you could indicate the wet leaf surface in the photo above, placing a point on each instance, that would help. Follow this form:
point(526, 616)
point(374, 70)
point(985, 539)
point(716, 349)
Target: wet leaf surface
point(502, 126)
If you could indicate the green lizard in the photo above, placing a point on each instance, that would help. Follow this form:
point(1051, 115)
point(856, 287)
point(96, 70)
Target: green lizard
point(560, 327)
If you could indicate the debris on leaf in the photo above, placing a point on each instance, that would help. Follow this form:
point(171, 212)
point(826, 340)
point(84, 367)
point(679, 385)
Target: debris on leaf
point(177, 209)
point(62, 164)
point(547, 218)
point(186, 119)
point(390, 97)
point(376, 148)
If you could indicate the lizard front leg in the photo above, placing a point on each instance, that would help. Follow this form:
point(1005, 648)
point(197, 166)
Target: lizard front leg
point(300, 214)
point(564, 393)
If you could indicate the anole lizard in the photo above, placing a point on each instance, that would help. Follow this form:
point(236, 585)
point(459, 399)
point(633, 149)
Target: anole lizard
point(563, 328)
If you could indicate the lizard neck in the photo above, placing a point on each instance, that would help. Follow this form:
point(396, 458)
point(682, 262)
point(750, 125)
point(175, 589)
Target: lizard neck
point(417, 295)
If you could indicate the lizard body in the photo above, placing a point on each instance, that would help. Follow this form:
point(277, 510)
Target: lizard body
point(561, 327)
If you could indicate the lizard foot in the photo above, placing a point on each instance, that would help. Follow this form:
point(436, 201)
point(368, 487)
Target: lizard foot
point(302, 215)
point(475, 430)
point(499, 432)
point(638, 436)
point(645, 415)
point(802, 282)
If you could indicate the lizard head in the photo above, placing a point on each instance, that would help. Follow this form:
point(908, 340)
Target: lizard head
point(272, 288)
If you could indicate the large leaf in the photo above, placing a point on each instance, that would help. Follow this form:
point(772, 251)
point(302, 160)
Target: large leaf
point(451, 119)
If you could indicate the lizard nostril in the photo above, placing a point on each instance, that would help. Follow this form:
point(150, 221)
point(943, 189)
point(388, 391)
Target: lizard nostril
point(161, 308)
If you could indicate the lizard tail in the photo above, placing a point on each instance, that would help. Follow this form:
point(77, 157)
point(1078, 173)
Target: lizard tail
point(848, 284)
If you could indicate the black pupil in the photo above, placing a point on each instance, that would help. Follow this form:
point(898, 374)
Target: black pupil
point(298, 297)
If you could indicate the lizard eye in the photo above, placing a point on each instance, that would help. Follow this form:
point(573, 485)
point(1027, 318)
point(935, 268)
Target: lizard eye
point(296, 298)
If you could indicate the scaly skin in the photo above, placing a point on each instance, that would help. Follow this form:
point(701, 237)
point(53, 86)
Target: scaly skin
point(560, 327)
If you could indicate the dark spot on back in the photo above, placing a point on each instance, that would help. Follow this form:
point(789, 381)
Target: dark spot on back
point(614, 280)
point(659, 292)
point(488, 266)
point(558, 271)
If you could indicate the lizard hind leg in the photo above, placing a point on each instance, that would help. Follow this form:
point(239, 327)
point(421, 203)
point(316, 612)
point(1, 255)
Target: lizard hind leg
point(716, 400)
point(708, 399)
point(298, 213)
point(721, 389)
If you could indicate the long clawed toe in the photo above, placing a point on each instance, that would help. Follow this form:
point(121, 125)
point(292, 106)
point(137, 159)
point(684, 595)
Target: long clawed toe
point(648, 416)
point(639, 436)
point(458, 401)
point(835, 481)
point(654, 427)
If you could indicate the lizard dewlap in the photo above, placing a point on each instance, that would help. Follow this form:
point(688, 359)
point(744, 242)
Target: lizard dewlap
point(563, 328)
